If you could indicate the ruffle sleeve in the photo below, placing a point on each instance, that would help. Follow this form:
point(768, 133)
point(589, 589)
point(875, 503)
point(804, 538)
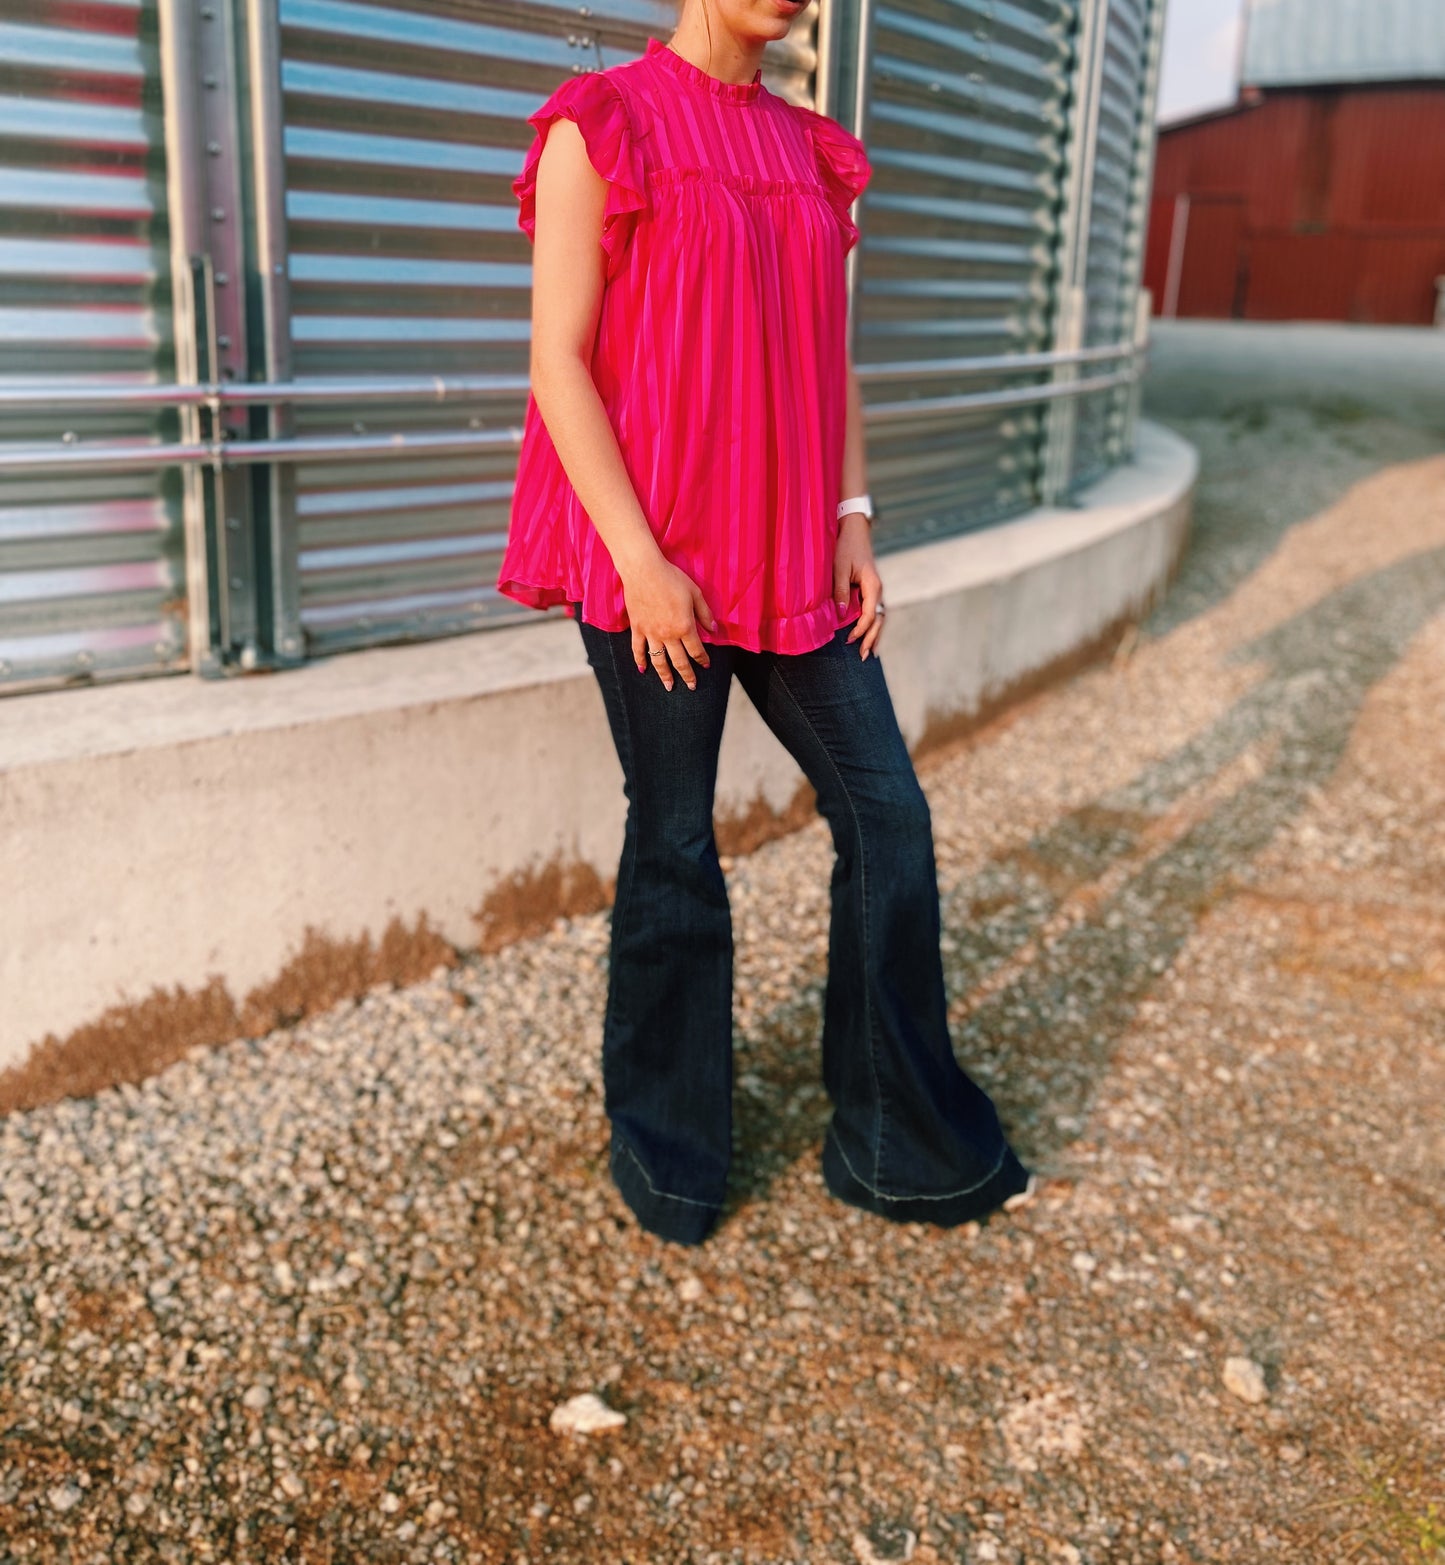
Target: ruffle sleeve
point(843, 167)
point(595, 103)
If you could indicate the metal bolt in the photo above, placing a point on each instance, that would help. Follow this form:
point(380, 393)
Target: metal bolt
point(222, 278)
point(237, 583)
point(208, 80)
point(214, 148)
point(208, 13)
point(234, 523)
point(69, 438)
point(218, 214)
point(279, 269)
point(223, 342)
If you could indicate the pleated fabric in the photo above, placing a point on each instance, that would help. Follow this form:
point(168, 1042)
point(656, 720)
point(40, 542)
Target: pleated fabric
point(720, 353)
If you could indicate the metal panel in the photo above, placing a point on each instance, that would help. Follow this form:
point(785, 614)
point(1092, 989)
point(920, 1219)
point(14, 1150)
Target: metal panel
point(1117, 216)
point(1343, 194)
point(967, 115)
point(404, 125)
point(1294, 43)
point(92, 574)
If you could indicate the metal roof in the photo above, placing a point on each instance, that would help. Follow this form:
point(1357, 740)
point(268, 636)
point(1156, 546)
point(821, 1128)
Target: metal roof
point(1294, 43)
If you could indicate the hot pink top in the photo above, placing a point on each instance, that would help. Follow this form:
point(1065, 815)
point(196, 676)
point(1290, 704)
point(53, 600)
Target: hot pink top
point(720, 352)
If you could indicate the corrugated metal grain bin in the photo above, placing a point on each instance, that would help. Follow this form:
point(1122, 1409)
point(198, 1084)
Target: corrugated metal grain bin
point(264, 301)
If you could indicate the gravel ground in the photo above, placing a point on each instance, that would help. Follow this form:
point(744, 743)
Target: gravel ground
point(315, 1296)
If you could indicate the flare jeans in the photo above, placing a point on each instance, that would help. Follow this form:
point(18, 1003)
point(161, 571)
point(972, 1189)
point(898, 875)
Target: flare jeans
point(911, 1136)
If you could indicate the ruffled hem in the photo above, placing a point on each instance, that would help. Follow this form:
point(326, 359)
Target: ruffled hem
point(532, 596)
point(789, 633)
point(843, 167)
point(594, 102)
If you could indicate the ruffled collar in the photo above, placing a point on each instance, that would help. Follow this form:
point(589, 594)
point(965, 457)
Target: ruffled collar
point(685, 71)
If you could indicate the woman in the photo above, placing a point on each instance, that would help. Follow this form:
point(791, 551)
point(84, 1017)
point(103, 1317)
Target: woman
point(691, 487)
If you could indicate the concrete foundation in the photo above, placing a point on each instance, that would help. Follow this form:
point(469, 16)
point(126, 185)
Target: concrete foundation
point(184, 835)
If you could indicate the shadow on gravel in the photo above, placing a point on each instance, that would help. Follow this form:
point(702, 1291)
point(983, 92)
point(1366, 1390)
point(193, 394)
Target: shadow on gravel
point(1285, 421)
point(1043, 1041)
point(1235, 531)
point(1058, 1023)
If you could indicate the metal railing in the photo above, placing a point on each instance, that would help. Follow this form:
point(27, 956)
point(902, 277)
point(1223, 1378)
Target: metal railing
point(216, 397)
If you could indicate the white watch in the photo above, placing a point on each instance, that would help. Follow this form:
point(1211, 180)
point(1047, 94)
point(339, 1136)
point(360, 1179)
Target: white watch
point(862, 503)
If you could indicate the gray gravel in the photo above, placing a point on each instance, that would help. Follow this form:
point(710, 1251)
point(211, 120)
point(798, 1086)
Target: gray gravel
point(316, 1296)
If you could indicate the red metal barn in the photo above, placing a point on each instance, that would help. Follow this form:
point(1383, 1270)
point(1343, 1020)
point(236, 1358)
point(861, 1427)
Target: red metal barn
point(1312, 199)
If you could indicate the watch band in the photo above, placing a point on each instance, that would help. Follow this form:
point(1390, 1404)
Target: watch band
point(862, 503)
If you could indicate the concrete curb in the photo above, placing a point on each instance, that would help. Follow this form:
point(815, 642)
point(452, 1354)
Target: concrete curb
point(170, 832)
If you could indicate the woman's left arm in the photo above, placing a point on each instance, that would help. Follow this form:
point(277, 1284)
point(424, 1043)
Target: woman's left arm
point(853, 557)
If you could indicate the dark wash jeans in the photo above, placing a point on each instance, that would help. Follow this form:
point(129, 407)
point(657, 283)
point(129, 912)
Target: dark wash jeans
point(911, 1136)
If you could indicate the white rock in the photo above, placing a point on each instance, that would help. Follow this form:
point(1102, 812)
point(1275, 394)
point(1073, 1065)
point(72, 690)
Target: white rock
point(690, 1290)
point(1042, 1428)
point(585, 1414)
point(868, 1555)
point(1245, 1379)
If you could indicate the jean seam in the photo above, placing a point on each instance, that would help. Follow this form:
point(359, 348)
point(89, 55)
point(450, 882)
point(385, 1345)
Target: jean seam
point(863, 895)
point(624, 892)
point(662, 1195)
point(946, 1195)
point(623, 895)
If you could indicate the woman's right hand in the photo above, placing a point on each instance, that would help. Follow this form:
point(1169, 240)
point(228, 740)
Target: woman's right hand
point(665, 607)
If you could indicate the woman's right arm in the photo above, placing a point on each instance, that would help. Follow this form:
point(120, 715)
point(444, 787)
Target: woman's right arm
point(568, 274)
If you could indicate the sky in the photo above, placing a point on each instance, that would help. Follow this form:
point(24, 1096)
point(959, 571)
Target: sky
point(1201, 52)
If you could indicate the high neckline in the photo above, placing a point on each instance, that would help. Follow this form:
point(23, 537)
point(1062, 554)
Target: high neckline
point(730, 92)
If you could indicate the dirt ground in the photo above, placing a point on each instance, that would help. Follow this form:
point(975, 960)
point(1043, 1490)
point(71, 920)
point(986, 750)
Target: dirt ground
point(1194, 914)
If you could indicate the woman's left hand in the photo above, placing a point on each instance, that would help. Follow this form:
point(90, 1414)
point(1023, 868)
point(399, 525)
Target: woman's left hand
point(853, 562)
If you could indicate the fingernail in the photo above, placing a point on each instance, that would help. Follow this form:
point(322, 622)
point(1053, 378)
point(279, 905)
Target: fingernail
point(842, 603)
